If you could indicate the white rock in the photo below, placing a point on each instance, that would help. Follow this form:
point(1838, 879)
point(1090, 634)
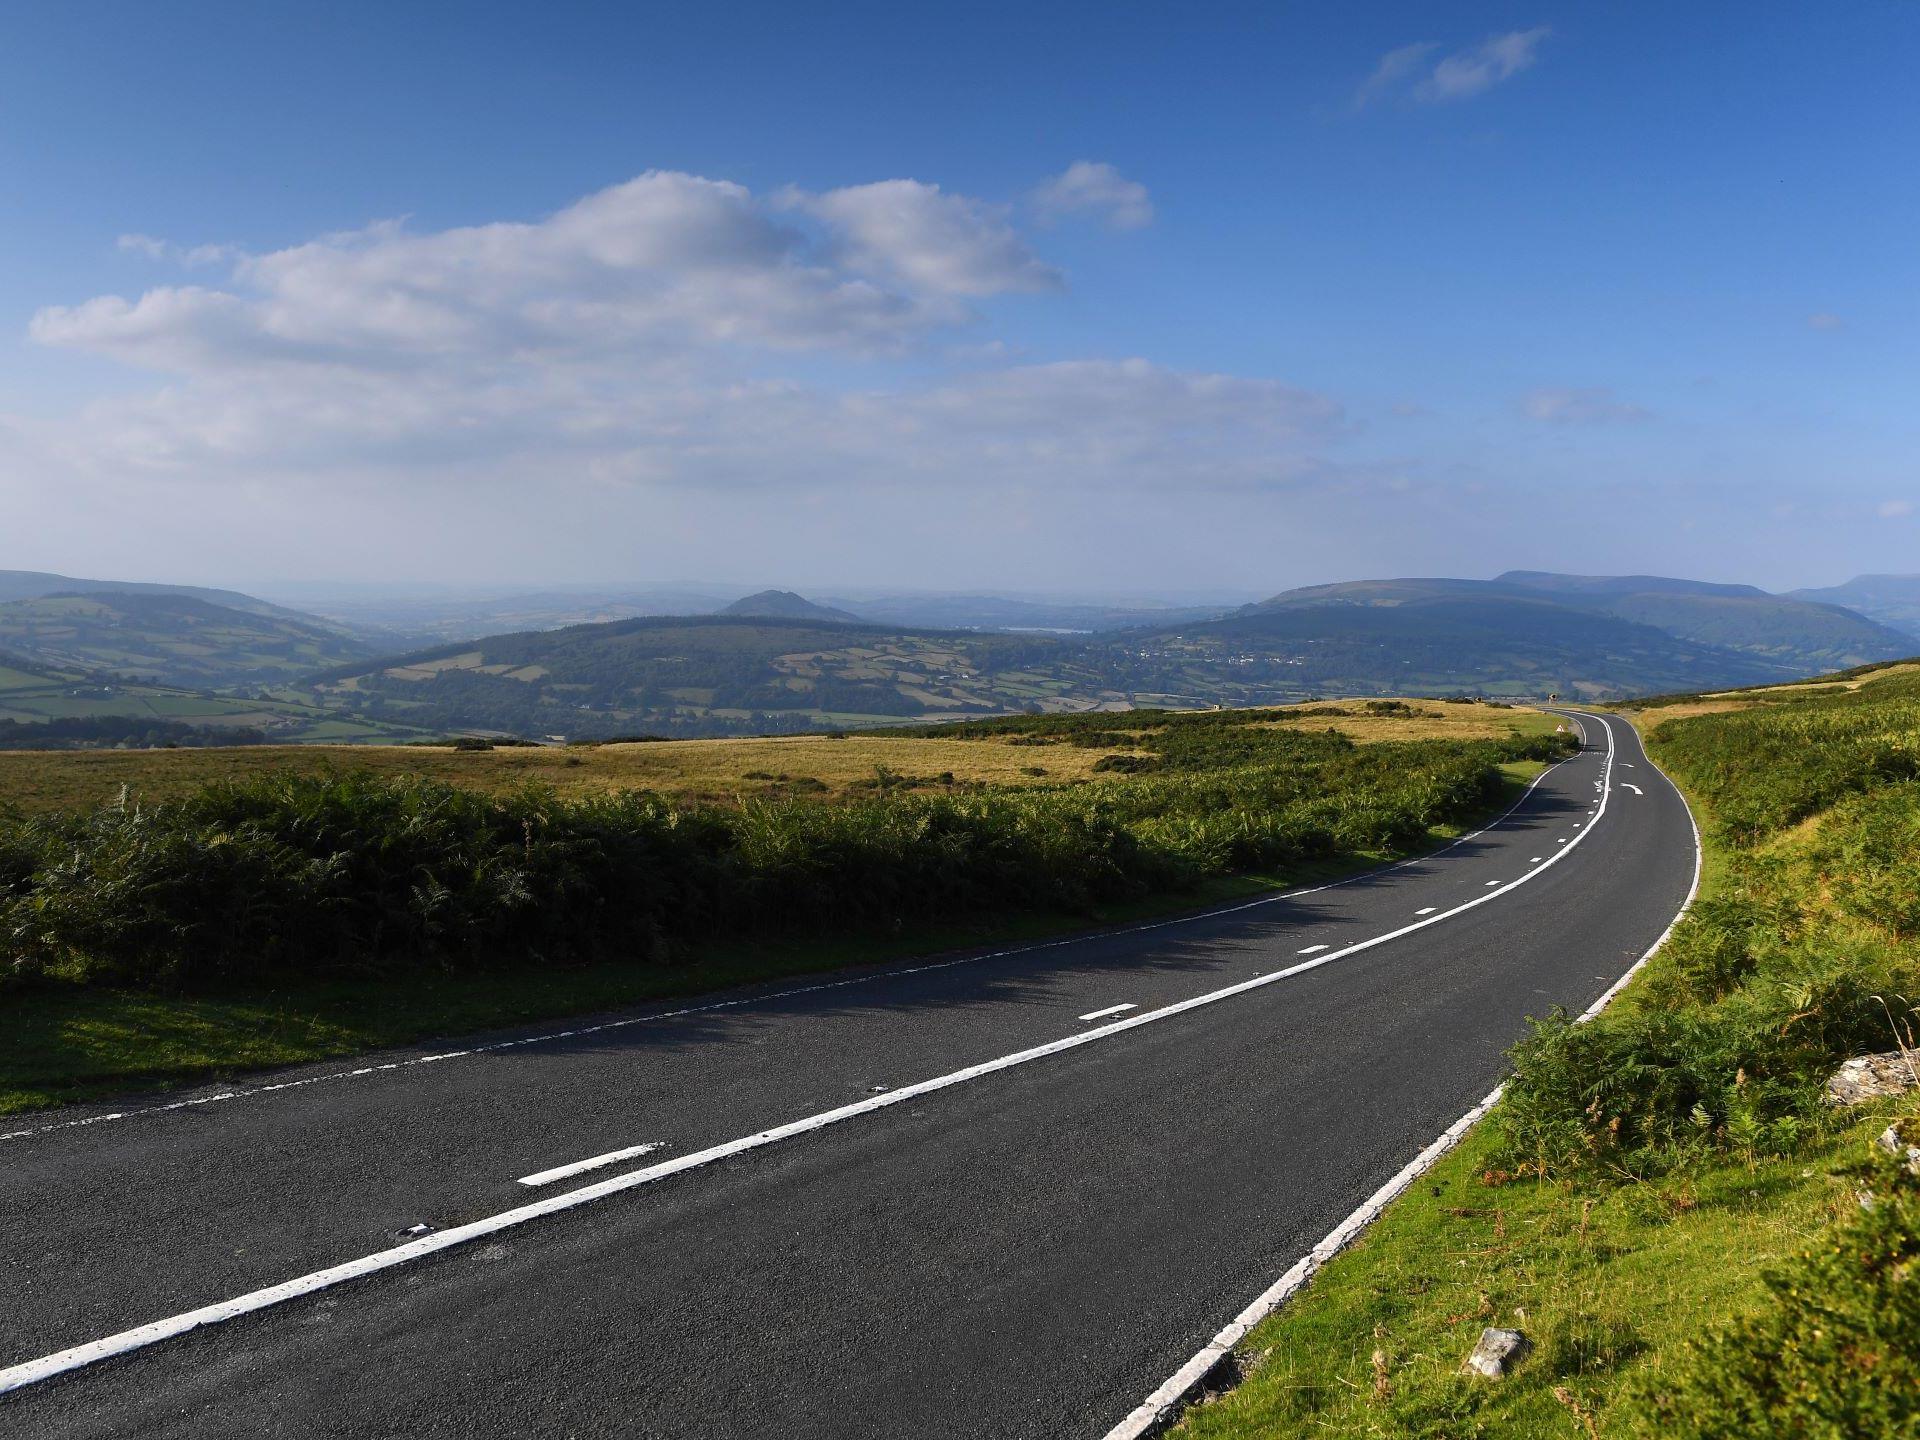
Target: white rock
point(1498, 1352)
point(1892, 1142)
point(1869, 1077)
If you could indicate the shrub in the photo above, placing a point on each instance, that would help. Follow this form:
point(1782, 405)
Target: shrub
point(323, 876)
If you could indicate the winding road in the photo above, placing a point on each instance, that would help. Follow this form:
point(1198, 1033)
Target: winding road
point(1002, 1194)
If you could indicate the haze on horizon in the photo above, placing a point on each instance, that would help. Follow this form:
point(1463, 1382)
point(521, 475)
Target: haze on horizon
point(1222, 300)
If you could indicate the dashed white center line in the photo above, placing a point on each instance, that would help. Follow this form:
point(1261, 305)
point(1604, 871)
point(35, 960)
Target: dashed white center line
point(1110, 1010)
point(1534, 861)
point(1311, 949)
point(1493, 882)
point(1426, 909)
point(612, 1157)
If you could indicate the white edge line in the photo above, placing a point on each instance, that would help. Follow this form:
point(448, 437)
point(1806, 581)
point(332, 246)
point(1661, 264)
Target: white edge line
point(31, 1372)
point(612, 1157)
point(889, 973)
point(1163, 1407)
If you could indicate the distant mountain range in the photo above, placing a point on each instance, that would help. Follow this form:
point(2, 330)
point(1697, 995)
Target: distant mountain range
point(777, 660)
point(1701, 627)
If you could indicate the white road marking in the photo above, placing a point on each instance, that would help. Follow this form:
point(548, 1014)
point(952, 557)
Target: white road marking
point(1152, 1414)
point(790, 992)
point(75, 1357)
point(1110, 1010)
point(1493, 882)
point(1311, 949)
point(1534, 861)
point(1426, 909)
point(612, 1157)
point(1634, 788)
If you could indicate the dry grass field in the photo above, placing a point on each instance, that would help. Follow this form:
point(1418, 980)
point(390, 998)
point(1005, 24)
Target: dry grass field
point(40, 781)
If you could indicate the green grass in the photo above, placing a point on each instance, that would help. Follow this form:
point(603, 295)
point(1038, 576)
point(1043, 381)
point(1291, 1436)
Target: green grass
point(1608, 1284)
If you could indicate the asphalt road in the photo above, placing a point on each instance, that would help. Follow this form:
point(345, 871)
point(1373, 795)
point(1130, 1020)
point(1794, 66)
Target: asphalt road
point(1025, 1248)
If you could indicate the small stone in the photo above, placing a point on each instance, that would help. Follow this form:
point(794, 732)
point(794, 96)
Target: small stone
point(1895, 1144)
point(1871, 1077)
point(1498, 1352)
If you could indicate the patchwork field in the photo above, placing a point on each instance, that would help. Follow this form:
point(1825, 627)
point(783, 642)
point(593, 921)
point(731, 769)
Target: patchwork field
point(30, 697)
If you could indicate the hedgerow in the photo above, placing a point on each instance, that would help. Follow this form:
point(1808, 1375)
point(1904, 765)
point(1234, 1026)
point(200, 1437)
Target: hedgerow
point(354, 874)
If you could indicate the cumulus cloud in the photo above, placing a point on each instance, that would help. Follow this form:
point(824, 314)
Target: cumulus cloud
point(660, 332)
point(1458, 76)
point(1594, 406)
point(660, 263)
point(927, 238)
point(1096, 189)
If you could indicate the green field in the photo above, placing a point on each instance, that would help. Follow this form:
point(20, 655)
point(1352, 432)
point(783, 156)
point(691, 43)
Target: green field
point(29, 696)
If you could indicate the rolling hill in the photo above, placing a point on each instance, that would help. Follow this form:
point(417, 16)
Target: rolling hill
point(1789, 636)
point(37, 584)
point(1416, 641)
point(171, 639)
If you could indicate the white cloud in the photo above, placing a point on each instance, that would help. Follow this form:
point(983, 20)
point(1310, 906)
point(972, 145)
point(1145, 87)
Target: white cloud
point(1458, 76)
point(1089, 187)
point(1825, 320)
point(1594, 406)
point(662, 332)
point(158, 250)
point(1895, 509)
point(660, 264)
point(1396, 67)
point(930, 240)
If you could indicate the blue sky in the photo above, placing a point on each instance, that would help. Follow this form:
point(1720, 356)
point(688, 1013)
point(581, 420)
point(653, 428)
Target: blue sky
point(1101, 298)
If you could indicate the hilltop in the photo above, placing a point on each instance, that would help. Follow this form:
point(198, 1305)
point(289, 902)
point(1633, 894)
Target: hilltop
point(785, 605)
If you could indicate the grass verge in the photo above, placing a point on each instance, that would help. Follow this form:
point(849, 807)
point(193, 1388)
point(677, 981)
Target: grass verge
point(1608, 1285)
point(1663, 1203)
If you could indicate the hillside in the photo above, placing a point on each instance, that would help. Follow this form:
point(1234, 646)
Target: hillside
point(1791, 636)
point(170, 639)
point(35, 584)
point(43, 706)
point(1419, 641)
point(710, 675)
point(1892, 600)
